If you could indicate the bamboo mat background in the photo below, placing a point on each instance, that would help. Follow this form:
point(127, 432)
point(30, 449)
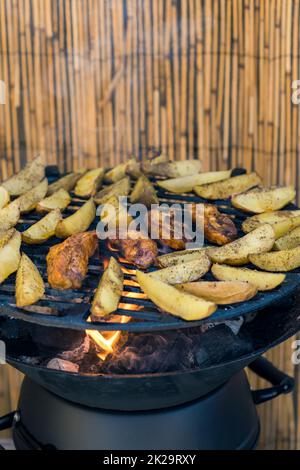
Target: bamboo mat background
point(89, 82)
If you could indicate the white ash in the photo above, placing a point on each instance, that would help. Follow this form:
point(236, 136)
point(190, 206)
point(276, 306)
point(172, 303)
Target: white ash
point(60, 364)
point(77, 354)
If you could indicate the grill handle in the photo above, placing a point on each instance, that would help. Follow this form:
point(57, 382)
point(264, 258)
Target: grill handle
point(282, 383)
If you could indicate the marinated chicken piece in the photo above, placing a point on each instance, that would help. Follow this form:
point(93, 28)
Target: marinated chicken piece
point(67, 263)
point(137, 249)
point(164, 223)
point(218, 228)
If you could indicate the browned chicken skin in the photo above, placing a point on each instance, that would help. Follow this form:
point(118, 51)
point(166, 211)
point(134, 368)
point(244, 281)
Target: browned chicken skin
point(67, 262)
point(137, 249)
point(218, 227)
point(160, 220)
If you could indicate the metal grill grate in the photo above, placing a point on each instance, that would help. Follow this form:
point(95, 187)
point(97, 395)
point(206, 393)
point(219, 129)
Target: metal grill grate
point(70, 309)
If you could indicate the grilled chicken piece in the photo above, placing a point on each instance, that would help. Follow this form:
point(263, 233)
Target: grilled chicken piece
point(137, 249)
point(163, 220)
point(218, 228)
point(67, 263)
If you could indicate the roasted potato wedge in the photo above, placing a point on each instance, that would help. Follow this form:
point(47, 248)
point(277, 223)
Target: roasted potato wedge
point(9, 216)
point(225, 189)
point(4, 197)
point(174, 169)
point(28, 201)
point(146, 165)
point(89, 183)
point(281, 222)
point(144, 193)
point(260, 279)
point(120, 188)
point(261, 200)
point(117, 217)
point(179, 257)
point(10, 243)
point(277, 261)
point(288, 241)
point(221, 292)
point(237, 252)
point(30, 286)
point(67, 182)
point(43, 229)
point(109, 291)
point(27, 178)
point(58, 200)
point(77, 222)
point(184, 272)
point(116, 174)
point(133, 169)
point(186, 184)
point(171, 300)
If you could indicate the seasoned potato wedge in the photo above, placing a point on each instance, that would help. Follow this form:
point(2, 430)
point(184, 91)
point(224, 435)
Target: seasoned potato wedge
point(179, 257)
point(120, 188)
point(186, 184)
point(288, 241)
point(67, 182)
point(10, 243)
point(147, 165)
point(89, 183)
point(184, 272)
point(109, 291)
point(58, 200)
point(116, 174)
point(261, 200)
point(43, 229)
point(174, 169)
point(261, 280)
point(28, 201)
point(9, 216)
point(221, 292)
point(30, 286)
point(277, 261)
point(237, 252)
point(225, 189)
point(4, 197)
point(77, 222)
point(118, 216)
point(27, 178)
point(144, 193)
point(280, 223)
point(171, 300)
point(133, 169)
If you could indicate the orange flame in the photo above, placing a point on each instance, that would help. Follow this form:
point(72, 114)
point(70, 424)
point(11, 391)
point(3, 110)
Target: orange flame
point(106, 341)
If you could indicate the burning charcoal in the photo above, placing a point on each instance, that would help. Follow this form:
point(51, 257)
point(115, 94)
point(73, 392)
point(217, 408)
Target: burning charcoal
point(61, 364)
point(77, 354)
point(56, 339)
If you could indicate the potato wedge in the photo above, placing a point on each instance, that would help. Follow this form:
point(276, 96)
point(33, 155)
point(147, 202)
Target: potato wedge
point(27, 178)
point(133, 168)
point(179, 257)
point(225, 189)
point(221, 292)
point(9, 216)
point(174, 169)
point(146, 165)
point(171, 300)
point(30, 286)
point(67, 182)
point(10, 243)
point(184, 272)
point(77, 222)
point(116, 174)
point(30, 200)
point(261, 200)
point(120, 188)
point(89, 183)
point(186, 184)
point(43, 229)
point(58, 200)
point(4, 197)
point(237, 252)
point(277, 261)
point(281, 221)
point(261, 280)
point(109, 291)
point(115, 214)
point(288, 241)
point(144, 193)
